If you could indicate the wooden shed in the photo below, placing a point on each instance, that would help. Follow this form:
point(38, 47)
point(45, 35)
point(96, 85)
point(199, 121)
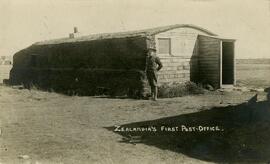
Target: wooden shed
point(116, 61)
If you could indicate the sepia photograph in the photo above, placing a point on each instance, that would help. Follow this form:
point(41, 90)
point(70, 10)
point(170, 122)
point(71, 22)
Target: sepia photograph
point(134, 81)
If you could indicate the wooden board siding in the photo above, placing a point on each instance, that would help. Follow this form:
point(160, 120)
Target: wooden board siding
point(209, 60)
point(181, 64)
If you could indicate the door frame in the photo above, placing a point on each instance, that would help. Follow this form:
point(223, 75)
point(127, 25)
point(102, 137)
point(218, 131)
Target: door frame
point(234, 63)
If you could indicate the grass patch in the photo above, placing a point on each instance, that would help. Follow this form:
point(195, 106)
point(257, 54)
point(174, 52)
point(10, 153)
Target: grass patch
point(180, 89)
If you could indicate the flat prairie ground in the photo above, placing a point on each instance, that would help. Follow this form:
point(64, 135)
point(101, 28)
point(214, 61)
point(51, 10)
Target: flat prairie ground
point(253, 75)
point(42, 127)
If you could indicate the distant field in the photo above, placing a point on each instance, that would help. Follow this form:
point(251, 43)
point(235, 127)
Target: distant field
point(4, 72)
point(253, 72)
point(253, 61)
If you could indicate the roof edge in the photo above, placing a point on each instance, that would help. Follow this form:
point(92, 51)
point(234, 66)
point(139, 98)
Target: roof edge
point(220, 38)
point(126, 34)
point(186, 25)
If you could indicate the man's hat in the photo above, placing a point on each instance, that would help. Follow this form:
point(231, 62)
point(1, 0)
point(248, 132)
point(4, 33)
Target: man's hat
point(152, 49)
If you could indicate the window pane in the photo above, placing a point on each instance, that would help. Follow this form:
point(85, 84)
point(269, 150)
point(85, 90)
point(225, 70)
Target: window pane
point(164, 45)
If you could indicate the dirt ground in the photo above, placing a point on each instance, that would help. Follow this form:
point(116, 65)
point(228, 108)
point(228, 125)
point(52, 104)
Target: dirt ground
point(43, 127)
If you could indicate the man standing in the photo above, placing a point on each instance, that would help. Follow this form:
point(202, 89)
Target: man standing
point(153, 64)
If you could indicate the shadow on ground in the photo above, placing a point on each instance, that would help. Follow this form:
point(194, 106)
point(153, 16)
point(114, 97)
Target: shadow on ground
point(237, 133)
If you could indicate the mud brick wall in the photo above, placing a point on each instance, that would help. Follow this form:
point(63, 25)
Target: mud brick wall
point(84, 81)
point(120, 53)
point(176, 69)
point(116, 65)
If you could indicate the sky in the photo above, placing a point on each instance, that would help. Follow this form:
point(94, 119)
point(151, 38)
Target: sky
point(24, 22)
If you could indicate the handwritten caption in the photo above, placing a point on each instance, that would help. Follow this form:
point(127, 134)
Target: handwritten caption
point(163, 128)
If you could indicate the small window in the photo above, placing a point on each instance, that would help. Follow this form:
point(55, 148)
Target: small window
point(164, 45)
